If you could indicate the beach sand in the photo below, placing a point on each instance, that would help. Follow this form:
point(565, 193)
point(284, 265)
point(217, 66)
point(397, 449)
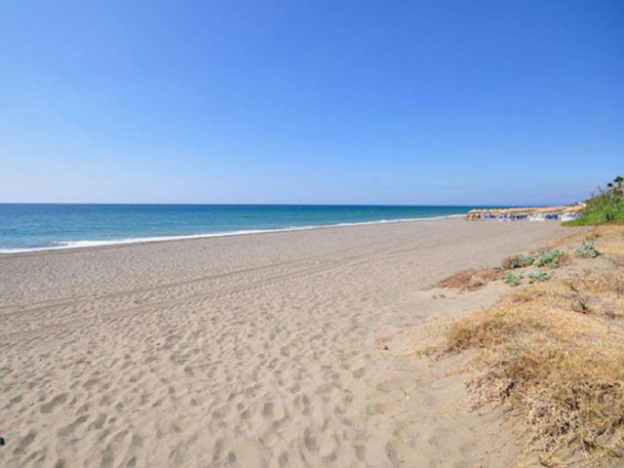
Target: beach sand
point(269, 350)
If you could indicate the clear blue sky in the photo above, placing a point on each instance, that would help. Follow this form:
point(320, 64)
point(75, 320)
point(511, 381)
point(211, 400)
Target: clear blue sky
point(408, 102)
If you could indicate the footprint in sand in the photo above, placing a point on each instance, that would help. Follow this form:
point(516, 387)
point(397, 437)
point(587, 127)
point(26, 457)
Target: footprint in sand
point(52, 404)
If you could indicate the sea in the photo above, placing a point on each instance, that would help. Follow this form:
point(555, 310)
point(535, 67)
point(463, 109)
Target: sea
point(29, 227)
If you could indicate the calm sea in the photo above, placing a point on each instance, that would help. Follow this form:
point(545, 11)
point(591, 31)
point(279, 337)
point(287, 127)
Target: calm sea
point(26, 227)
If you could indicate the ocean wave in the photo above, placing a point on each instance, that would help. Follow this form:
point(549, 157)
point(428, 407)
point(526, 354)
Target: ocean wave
point(63, 245)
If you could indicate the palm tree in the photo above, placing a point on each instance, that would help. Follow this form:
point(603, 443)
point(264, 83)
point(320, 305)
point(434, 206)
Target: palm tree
point(619, 191)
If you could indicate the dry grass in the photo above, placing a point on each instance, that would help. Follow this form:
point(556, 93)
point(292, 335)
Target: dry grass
point(599, 295)
point(611, 241)
point(612, 282)
point(555, 354)
point(470, 280)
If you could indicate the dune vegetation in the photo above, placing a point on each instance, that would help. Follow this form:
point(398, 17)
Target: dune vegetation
point(553, 352)
point(606, 207)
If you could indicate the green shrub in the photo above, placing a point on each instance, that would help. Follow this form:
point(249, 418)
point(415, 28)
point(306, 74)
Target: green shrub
point(512, 279)
point(607, 207)
point(539, 276)
point(550, 259)
point(587, 250)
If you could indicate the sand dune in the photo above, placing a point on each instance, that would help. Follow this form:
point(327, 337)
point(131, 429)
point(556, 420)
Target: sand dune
point(253, 351)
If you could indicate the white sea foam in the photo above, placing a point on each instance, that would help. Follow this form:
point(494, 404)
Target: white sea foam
point(141, 240)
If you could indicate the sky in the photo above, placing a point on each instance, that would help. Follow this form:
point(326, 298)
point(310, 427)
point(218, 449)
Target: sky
point(337, 102)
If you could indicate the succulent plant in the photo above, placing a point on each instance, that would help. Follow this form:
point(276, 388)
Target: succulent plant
point(588, 249)
point(539, 276)
point(550, 259)
point(512, 279)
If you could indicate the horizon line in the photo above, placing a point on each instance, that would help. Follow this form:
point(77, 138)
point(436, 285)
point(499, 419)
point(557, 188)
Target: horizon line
point(514, 205)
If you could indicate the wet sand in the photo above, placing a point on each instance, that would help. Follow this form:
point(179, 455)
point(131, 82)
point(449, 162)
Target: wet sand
point(266, 350)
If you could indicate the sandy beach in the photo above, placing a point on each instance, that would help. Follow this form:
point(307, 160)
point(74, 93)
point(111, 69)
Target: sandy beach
point(269, 350)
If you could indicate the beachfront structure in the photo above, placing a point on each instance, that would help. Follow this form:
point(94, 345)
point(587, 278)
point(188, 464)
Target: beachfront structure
point(563, 213)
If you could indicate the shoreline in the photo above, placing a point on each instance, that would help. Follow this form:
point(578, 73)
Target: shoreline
point(88, 244)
